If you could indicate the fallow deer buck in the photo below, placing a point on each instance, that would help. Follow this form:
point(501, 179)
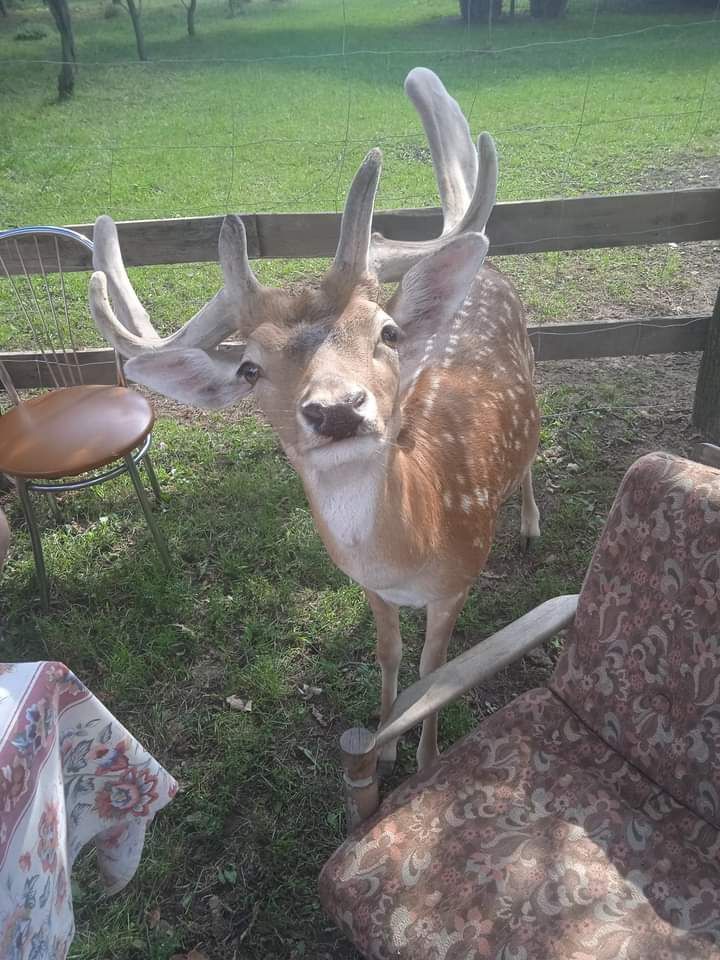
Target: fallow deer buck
point(410, 424)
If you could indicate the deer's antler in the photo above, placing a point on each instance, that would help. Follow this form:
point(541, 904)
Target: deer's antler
point(466, 177)
point(126, 324)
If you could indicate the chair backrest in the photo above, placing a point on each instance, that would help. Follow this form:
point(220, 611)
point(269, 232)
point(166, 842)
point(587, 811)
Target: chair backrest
point(642, 667)
point(43, 307)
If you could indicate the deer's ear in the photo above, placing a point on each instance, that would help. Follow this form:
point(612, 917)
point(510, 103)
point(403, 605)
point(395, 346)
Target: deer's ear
point(437, 285)
point(191, 376)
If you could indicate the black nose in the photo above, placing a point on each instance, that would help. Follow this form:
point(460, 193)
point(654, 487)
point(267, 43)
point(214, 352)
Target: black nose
point(336, 420)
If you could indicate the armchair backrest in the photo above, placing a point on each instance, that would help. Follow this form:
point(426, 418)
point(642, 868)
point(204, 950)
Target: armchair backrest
point(642, 666)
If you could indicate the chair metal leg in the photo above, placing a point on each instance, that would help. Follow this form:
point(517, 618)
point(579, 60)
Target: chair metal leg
point(145, 504)
point(55, 508)
point(152, 477)
point(36, 542)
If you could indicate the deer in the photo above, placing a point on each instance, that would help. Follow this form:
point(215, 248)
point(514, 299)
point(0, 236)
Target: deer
point(409, 424)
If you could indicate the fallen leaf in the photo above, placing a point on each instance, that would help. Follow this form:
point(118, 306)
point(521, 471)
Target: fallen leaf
point(153, 918)
point(307, 692)
point(237, 703)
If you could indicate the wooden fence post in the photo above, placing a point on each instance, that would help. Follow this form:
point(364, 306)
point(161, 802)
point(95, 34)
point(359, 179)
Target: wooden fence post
point(706, 409)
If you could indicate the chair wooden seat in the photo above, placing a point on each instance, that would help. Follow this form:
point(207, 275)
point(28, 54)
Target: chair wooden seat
point(70, 431)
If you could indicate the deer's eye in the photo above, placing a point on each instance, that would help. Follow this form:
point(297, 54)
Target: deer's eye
point(250, 371)
point(389, 334)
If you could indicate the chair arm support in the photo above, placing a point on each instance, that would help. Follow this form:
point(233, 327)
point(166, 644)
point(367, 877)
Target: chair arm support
point(360, 748)
point(484, 660)
point(707, 453)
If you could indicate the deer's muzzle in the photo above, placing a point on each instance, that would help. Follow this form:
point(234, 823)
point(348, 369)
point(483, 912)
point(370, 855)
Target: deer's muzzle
point(336, 420)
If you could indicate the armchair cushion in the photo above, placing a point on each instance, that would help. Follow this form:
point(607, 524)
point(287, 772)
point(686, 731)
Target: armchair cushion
point(642, 668)
point(530, 839)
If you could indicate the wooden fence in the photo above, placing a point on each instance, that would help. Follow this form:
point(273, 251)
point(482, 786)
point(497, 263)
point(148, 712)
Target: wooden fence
point(582, 223)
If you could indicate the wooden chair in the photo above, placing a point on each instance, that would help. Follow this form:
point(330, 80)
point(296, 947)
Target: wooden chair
point(62, 439)
point(583, 819)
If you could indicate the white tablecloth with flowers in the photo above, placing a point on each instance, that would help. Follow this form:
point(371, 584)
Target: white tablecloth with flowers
point(69, 774)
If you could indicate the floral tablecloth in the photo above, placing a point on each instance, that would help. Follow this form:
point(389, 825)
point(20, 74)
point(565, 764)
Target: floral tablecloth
point(69, 773)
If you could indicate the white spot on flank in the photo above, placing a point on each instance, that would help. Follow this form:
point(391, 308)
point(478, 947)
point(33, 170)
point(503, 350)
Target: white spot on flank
point(447, 500)
point(481, 495)
point(466, 503)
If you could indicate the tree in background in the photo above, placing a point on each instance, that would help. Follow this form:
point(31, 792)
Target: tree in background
point(548, 8)
point(135, 11)
point(190, 8)
point(474, 10)
point(482, 10)
point(66, 77)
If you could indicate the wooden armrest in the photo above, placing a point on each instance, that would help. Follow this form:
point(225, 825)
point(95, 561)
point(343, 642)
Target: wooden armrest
point(485, 659)
point(707, 453)
point(360, 748)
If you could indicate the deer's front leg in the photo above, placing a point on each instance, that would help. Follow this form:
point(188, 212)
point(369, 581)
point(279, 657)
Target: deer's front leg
point(529, 513)
point(441, 617)
point(389, 654)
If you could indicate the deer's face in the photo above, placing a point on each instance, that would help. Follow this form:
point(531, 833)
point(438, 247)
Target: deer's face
point(327, 381)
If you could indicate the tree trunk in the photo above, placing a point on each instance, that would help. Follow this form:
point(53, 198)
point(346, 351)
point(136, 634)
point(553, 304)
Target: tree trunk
point(3, 9)
point(191, 18)
point(134, 12)
point(706, 409)
point(478, 11)
point(548, 8)
point(66, 77)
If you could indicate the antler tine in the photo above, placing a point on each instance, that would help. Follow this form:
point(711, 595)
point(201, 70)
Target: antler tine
point(128, 327)
point(453, 152)
point(352, 258)
point(391, 259)
point(466, 178)
point(108, 258)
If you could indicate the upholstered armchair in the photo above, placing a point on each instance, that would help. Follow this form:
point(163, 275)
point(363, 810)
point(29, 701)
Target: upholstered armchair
point(581, 821)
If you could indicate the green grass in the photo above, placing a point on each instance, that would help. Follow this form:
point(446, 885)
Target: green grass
point(261, 112)
point(254, 113)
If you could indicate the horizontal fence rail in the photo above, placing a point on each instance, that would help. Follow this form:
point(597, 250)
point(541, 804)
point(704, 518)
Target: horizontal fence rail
point(524, 226)
point(577, 341)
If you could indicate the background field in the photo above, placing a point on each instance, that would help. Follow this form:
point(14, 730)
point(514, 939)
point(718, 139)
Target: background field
point(272, 110)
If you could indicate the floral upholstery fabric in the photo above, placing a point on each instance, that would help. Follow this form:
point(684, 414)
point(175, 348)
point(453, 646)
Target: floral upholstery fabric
point(534, 838)
point(530, 839)
point(643, 669)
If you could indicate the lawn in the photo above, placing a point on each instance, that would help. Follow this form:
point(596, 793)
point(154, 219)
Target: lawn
point(264, 112)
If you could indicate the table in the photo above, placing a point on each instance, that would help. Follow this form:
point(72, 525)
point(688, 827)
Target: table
point(69, 773)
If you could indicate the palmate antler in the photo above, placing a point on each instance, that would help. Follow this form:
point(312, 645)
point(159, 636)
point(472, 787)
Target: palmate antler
point(126, 323)
point(466, 177)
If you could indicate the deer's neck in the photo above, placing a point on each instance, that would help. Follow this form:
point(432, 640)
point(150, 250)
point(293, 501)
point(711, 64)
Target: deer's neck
point(345, 500)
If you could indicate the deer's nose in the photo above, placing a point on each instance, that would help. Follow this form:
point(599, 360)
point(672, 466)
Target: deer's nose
point(336, 420)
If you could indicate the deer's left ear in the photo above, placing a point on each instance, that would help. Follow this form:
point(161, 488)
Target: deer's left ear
point(436, 287)
point(210, 381)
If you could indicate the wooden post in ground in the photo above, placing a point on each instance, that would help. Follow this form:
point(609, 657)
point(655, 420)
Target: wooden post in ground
point(706, 409)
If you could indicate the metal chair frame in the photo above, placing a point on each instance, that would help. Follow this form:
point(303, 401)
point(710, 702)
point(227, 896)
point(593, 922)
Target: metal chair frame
point(67, 369)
